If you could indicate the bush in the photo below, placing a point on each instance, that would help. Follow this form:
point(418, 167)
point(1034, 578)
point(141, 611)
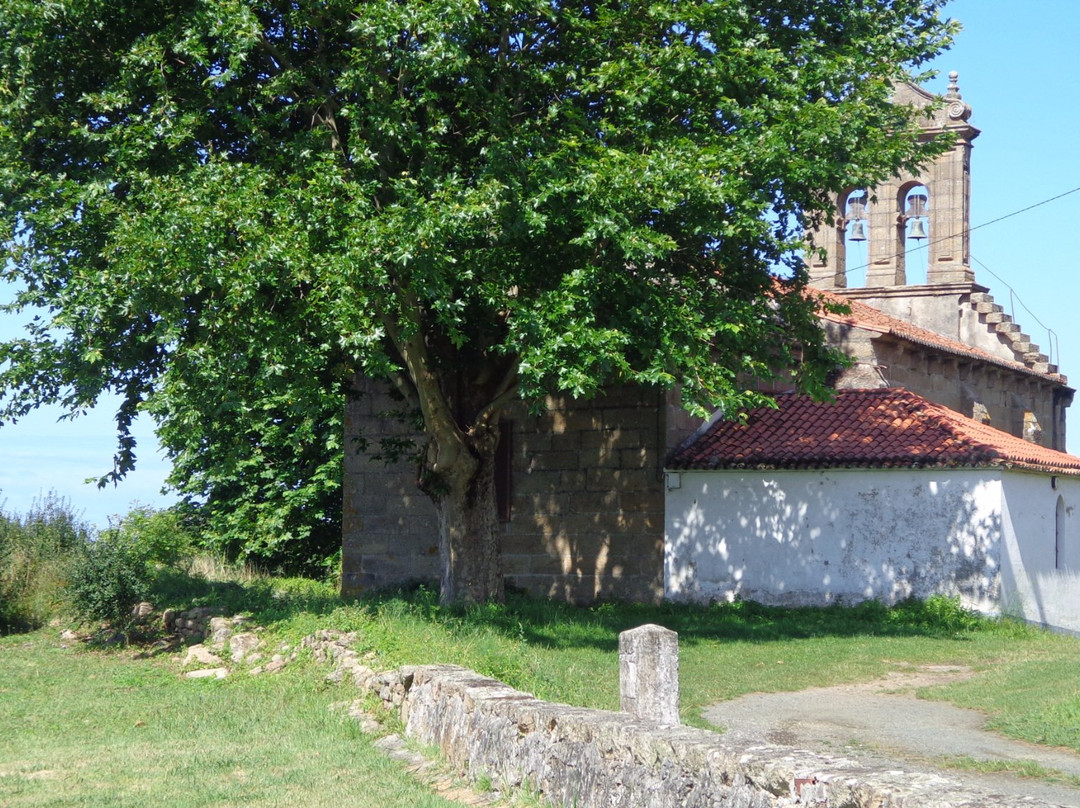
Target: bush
point(945, 615)
point(35, 553)
point(159, 537)
point(106, 581)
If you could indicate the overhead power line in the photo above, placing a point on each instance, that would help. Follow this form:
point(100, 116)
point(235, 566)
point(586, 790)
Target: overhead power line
point(979, 226)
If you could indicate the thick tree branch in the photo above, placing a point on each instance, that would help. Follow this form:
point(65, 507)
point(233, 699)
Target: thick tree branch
point(434, 406)
point(504, 394)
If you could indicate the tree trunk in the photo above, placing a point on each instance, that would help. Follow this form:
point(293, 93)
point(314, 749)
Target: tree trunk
point(461, 418)
point(469, 546)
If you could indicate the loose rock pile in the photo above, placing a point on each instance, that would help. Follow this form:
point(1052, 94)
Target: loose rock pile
point(244, 647)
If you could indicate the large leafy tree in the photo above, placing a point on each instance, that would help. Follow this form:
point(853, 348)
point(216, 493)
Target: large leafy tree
point(226, 208)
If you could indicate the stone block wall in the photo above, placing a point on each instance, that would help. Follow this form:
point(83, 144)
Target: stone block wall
point(1015, 402)
point(1024, 403)
point(389, 529)
point(586, 497)
point(582, 758)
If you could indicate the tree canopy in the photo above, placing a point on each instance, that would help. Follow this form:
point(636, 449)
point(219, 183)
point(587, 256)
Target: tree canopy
point(224, 209)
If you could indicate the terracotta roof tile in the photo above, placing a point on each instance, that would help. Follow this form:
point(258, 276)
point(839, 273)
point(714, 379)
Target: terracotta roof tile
point(884, 427)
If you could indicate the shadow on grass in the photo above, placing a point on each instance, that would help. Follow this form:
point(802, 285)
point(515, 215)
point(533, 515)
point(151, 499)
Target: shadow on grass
point(265, 599)
point(554, 625)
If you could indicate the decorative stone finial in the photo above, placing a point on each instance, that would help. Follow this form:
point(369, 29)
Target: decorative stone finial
point(957, 109)
point(954, 89)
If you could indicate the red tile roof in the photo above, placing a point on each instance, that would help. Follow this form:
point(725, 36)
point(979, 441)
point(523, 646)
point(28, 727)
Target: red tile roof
point(871, 319)
point(882, 428)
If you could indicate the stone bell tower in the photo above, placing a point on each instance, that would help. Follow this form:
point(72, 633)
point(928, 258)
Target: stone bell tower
point(933, 207)
point(992, 370)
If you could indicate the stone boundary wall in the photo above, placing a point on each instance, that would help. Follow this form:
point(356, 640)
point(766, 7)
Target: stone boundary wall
point(582, 758)
point(191, 624)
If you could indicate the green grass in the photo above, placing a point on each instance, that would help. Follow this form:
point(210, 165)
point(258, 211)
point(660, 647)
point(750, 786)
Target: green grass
point(88, 728)
point(1036, 699)
point(569, 654)
point(101, 728)
point(1017, 768)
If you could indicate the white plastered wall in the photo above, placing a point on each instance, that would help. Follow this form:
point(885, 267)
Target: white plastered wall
point(813, 537)
point(1041, 549)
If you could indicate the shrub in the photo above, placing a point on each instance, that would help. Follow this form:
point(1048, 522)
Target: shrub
point(106, 581)
point(159, 537)
point(945, 614)
point(35, 553)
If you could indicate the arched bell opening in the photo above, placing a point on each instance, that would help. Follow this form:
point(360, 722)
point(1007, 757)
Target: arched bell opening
point(914, 233)
point(856, 224)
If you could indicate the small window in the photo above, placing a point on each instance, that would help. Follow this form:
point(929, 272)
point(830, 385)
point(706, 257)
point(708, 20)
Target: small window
point(1059, 535)
point(504, 462)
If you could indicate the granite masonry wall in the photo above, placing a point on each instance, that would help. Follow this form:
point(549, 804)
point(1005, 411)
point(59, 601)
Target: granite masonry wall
point(585, 487)
point(1016, 400)
point(582, 758)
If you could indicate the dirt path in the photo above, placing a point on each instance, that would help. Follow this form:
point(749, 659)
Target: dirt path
point(882, 723)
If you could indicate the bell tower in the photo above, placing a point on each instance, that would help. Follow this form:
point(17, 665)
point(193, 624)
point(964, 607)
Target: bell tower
point(914, 251)
point(923, 218)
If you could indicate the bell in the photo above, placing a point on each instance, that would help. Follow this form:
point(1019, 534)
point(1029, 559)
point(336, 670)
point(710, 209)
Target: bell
point(917, 204)
point(858, 232)
point(918, 230)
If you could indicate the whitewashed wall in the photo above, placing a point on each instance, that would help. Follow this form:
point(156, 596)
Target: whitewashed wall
point(998, 539)
point(1041, 549)
point(813, 537)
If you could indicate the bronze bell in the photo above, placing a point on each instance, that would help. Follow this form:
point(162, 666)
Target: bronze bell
point(917, 204)
point(858, 232)
point(918, 230)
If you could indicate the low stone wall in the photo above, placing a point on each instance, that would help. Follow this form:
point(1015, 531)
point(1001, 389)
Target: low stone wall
point(581, 758)
point(191, 624)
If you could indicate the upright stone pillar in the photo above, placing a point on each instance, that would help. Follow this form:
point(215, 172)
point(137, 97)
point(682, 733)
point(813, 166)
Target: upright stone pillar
point(649, 674)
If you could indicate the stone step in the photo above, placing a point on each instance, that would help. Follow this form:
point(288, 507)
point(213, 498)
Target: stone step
point(1035, 358)
point(997, 317)
point(987, 308)
point(1006, 328)
point(981, 297)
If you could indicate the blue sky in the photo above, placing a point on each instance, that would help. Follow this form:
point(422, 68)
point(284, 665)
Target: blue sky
point(1019, 70)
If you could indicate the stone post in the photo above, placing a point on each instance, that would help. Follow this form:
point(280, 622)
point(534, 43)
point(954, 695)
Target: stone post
point(649, 674)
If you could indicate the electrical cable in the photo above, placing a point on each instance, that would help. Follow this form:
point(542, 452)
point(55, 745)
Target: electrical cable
point(978, 227)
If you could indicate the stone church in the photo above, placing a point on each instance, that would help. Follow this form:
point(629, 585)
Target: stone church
point(585, 488)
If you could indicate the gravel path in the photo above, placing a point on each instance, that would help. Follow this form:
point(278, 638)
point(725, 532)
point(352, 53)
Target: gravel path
point(882, 723)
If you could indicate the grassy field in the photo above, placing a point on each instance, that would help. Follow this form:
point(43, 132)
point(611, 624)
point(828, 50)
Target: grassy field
point(103, 728)
point(570, 654)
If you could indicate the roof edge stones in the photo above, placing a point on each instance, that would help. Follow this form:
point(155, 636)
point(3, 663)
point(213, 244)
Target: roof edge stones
point(872, 319)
